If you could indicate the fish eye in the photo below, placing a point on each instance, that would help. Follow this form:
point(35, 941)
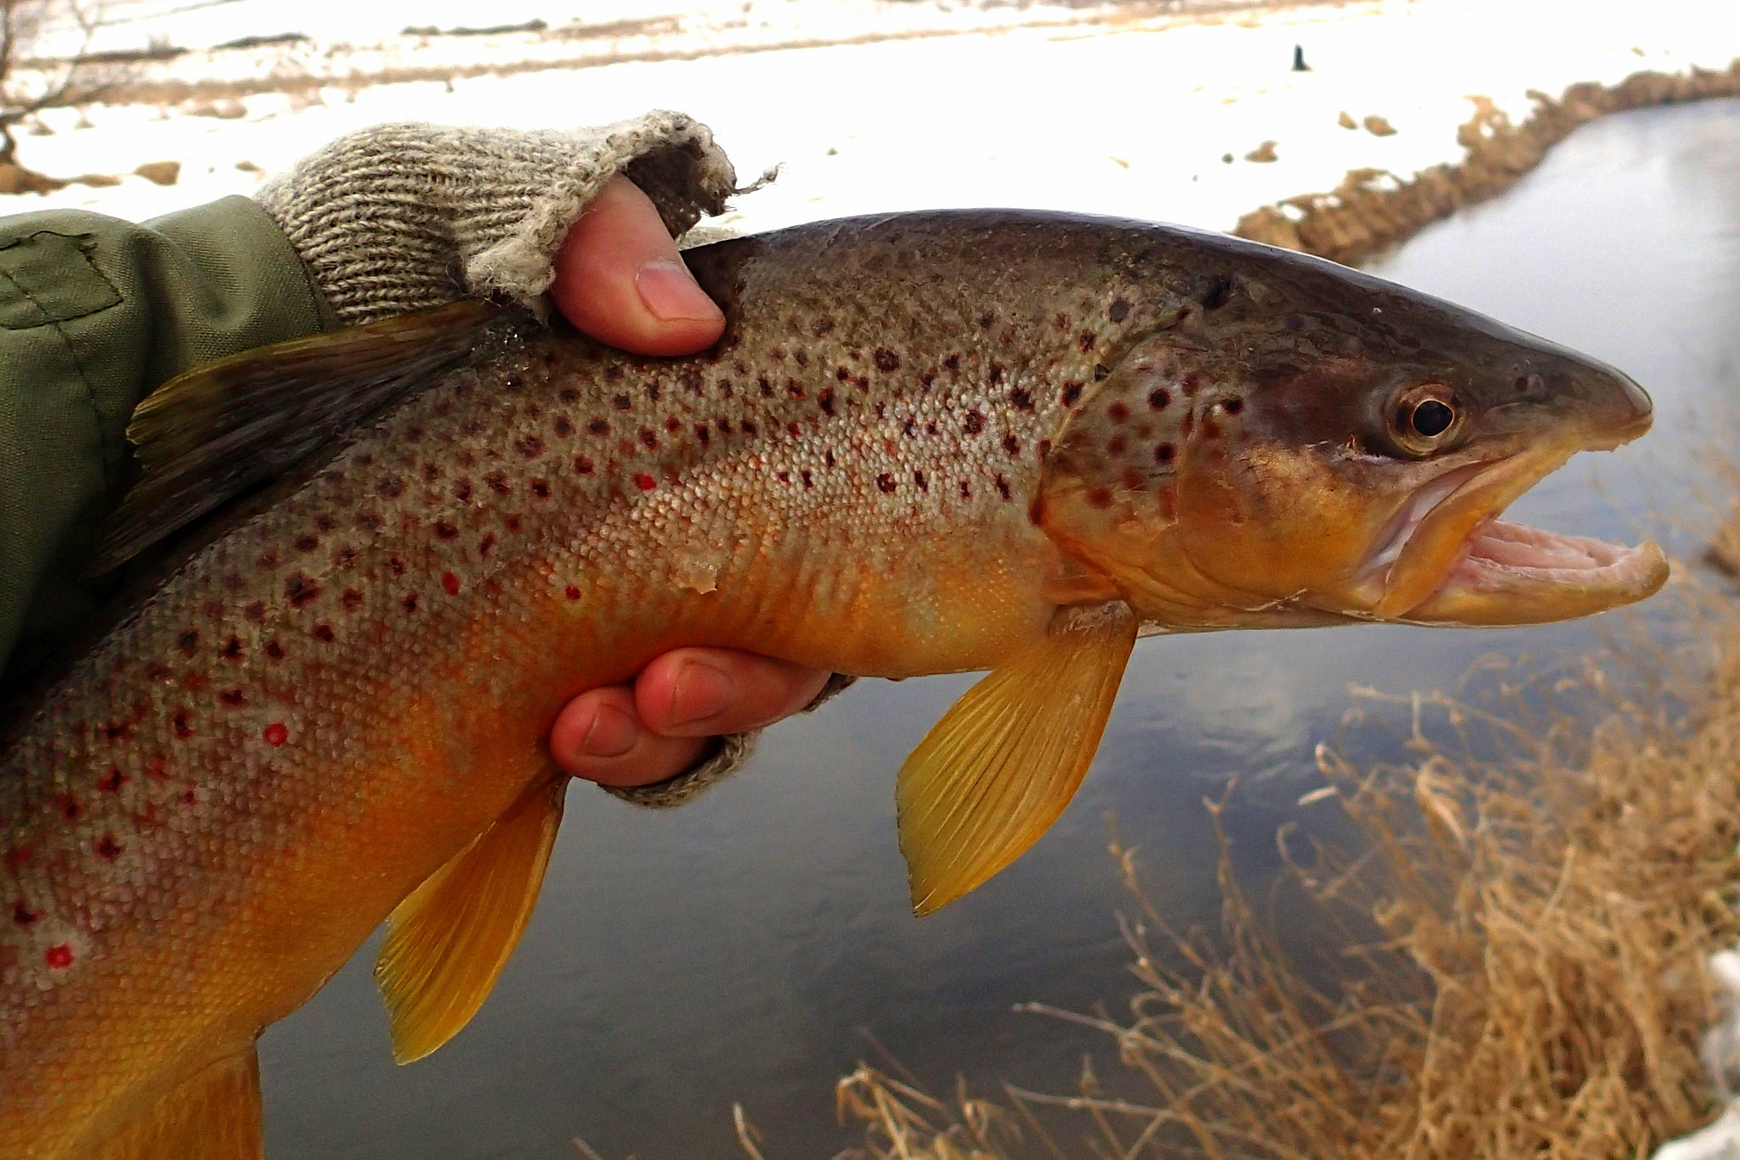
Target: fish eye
point(1431, 418)
point(1425, 418)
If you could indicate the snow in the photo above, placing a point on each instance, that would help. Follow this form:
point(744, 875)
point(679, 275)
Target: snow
point(1058, 107)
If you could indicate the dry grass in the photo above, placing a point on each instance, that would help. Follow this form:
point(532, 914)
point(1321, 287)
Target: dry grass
point(1549, 861)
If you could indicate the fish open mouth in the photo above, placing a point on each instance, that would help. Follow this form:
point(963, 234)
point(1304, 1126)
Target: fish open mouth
point(1451, 560)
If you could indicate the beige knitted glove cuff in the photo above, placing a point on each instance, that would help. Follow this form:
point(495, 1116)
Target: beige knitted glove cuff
point(732, 752)
point(409, 217)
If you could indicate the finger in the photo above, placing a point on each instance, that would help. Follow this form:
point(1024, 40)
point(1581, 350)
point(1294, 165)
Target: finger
point(620, 279)
point(697, 692)
point(599, 736)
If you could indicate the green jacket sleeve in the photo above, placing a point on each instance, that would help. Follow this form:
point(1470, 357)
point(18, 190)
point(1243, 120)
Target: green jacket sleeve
point(95, 313)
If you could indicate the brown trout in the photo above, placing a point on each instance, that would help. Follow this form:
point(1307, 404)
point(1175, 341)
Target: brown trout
point(927, 443)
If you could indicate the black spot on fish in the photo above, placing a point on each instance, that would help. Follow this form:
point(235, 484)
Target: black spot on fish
point(885, 483)
point(973, 423)
point(1021, 399)
point(1071, 393)
point(1119, 310)
point(886, 360)
point(1218, 294)
point(1158, 398)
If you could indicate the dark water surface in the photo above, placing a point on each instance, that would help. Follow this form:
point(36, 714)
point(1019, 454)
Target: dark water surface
point(728, 951)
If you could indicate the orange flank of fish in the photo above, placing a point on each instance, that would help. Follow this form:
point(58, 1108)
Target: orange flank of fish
point(927, 443)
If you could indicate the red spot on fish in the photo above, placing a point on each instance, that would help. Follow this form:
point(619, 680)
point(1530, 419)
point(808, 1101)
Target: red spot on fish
point(276, 734)
point(885, 482)
point(644, 481)
point(1002, 486)
point(953, 363)
point(183, 728)
point(572, 592)
point(23, 915)
point(1011, 446)
point(351, 599)
point(450, 583)
point(562, 426)
point(1190, 383)
point(154, 771)
point(409, 603)
point(19, 855)
point(485, 544)
point(445, 530)
point(108, 847)
point(232, 649)
point(188, 642)
point(1021, 398)
point(805, 477)
point(825, 401)
point(1133, 480)
point(121, 730)
point(462, 490)
point(300, 590)
point(921, 481)
point(1118, 412)
point(323, 633)
point(974, 423)
point(794, 429)
point(1085, 341)
point(582, 465)
point(886, 360)
point(390, 486)
point(598, 427)
point(1099, 497)
point(112, 781)
point(306, 542)
point(195, 681)
point(649, 438)
point(966, 490)
point(58, 957)
point(69, 807)
point(541, 488)
point(1117, 445)
point(1044, 448)
point(274, 650)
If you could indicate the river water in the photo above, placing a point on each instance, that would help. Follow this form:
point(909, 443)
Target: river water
point(731, 951)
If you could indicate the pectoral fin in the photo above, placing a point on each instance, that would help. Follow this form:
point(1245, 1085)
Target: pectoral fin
point(448, 941)
point(214, 1115)
point(1002, 764)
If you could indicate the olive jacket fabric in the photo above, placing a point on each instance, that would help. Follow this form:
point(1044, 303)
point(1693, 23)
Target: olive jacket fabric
point(95, 313)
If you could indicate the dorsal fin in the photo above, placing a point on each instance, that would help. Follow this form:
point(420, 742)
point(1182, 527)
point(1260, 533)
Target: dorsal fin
point(206, 436)
point(448, 941)
point(214, 1115)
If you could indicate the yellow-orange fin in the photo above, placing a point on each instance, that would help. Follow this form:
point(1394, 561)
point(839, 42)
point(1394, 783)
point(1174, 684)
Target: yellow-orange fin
point(1002, 764)
point(448, 941)
point(213, 1115)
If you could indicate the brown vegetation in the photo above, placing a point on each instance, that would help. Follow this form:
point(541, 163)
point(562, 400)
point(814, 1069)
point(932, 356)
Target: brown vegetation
point(1372, 209)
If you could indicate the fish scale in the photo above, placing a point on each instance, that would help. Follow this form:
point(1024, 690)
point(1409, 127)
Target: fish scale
point(336, 696)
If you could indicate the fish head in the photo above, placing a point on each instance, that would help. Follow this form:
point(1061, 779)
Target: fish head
point(1296, 443)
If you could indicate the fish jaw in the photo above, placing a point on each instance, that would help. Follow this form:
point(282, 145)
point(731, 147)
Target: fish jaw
point(1451, 561)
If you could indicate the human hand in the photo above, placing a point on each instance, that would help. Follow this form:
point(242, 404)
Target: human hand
point(620, 279)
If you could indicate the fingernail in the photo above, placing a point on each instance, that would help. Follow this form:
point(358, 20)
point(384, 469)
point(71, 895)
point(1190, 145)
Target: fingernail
point(671, 294)
point(699, 693)
point(613, 734)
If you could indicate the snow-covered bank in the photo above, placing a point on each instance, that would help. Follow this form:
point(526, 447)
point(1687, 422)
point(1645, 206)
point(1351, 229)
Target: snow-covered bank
point(1137, 119)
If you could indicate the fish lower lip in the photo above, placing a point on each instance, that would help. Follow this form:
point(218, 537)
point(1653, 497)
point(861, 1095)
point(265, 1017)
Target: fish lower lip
point(1516, 574)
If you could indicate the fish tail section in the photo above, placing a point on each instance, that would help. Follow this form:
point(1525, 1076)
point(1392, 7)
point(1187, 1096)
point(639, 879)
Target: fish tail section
point(448, 941)
point(1002, 764)
point(215, 1115)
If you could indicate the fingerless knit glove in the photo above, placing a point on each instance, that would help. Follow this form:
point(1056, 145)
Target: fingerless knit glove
point(408, 217)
